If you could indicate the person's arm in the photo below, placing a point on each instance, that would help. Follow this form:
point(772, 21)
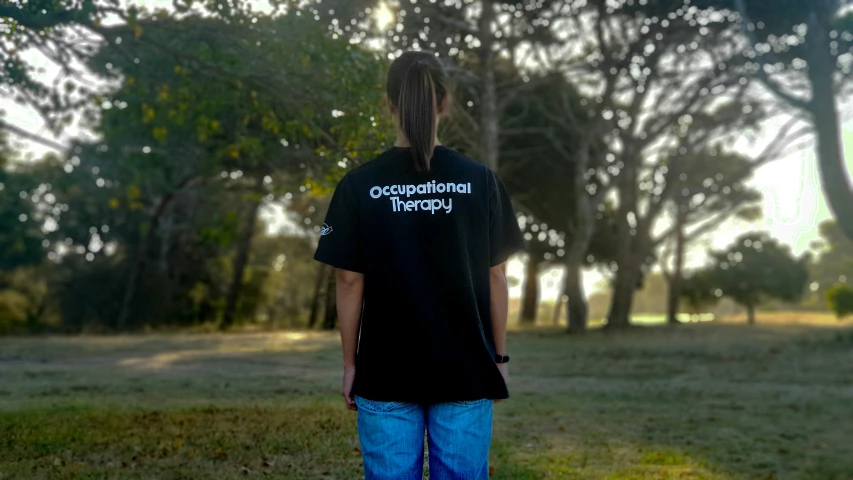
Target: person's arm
point(500, 305)
point(500, 311)
point(349, 291)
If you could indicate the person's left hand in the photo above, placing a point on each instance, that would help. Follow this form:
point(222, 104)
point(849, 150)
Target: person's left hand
point(346, 389)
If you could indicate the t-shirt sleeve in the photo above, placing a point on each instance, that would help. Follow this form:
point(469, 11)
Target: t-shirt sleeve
point(340, 238)
point(504, 234)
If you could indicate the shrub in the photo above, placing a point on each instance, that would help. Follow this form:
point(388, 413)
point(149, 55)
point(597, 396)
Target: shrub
point(840, 299)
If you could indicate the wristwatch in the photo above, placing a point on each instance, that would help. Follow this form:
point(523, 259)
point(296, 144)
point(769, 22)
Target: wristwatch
point(501, 358)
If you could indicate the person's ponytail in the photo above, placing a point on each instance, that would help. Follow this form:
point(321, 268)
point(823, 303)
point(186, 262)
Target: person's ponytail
point(418, 106)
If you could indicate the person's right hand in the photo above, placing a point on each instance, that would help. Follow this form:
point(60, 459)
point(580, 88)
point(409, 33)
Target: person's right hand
point(346, 389)
point(502, 367)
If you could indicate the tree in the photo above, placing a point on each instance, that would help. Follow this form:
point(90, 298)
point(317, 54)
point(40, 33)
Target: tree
point(60, 32)
point(548, 151)
point(698, 291)
point(475, 34)
point(757, 268)
point(239, 121)
point(710, 190)
point(224, 92)
point(479, 41)
point(800, 51)
point(629, 60)
point(537, 157)
point(544, 247)
point(840, 299)
point(244, 246)
point(20, 235)
point(834, 263)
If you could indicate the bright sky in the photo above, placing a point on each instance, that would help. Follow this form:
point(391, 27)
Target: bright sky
point(793, 201)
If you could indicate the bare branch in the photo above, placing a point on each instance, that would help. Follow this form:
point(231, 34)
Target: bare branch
point(33, 137)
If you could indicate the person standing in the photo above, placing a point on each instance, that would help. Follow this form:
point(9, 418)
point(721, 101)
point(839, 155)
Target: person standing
point(419, 238)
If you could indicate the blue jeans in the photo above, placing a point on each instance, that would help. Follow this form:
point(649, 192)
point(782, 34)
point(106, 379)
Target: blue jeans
point(392, 439)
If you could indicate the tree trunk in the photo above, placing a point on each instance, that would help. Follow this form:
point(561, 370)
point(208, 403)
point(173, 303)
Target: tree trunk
point(837, 185)
point(619, 315)
point(676, 278)
point(583, 223)
point(139, 261)
point(530, 300)
point(629, 262)
point(244, 248)
point(577, 310)
point(489, 117)
point(750, 314)
point(318, 288)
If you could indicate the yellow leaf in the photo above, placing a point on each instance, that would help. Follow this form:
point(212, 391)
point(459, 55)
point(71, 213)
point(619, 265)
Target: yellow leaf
point(133, 192)
point(137, 31)
point(159, 133)
point(147, 113)
point(316, 188)
point(131, 80)
point(136, 206)
point(177, 69)
point(214, 125)
point(114, 203)
point(234, 153)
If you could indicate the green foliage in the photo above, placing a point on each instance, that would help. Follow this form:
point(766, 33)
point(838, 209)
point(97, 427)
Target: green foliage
point(698, 290)
point(43, 27)
point(840, 299)
point(711, 183)
point(834, 263)
point(20, 236)
point(288, 262)
point(757, 268)
point(201, 109)
point(235, 97)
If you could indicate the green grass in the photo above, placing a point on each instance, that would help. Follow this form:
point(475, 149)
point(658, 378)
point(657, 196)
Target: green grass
point(696, 402)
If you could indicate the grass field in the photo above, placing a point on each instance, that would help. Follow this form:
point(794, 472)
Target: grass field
point(705, 401)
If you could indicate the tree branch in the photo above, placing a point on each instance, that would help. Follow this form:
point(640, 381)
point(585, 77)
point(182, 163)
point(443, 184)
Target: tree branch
point(771, 85)
point(33, 137)
point(40, 21)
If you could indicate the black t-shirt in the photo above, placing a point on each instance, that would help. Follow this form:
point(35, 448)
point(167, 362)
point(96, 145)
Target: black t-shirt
point(425, 242)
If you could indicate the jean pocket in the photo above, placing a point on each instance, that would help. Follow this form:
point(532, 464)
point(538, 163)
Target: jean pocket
point(377, 405)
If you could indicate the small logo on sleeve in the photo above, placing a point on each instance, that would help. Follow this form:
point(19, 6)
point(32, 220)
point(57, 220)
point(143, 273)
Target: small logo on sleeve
point(325, 230)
